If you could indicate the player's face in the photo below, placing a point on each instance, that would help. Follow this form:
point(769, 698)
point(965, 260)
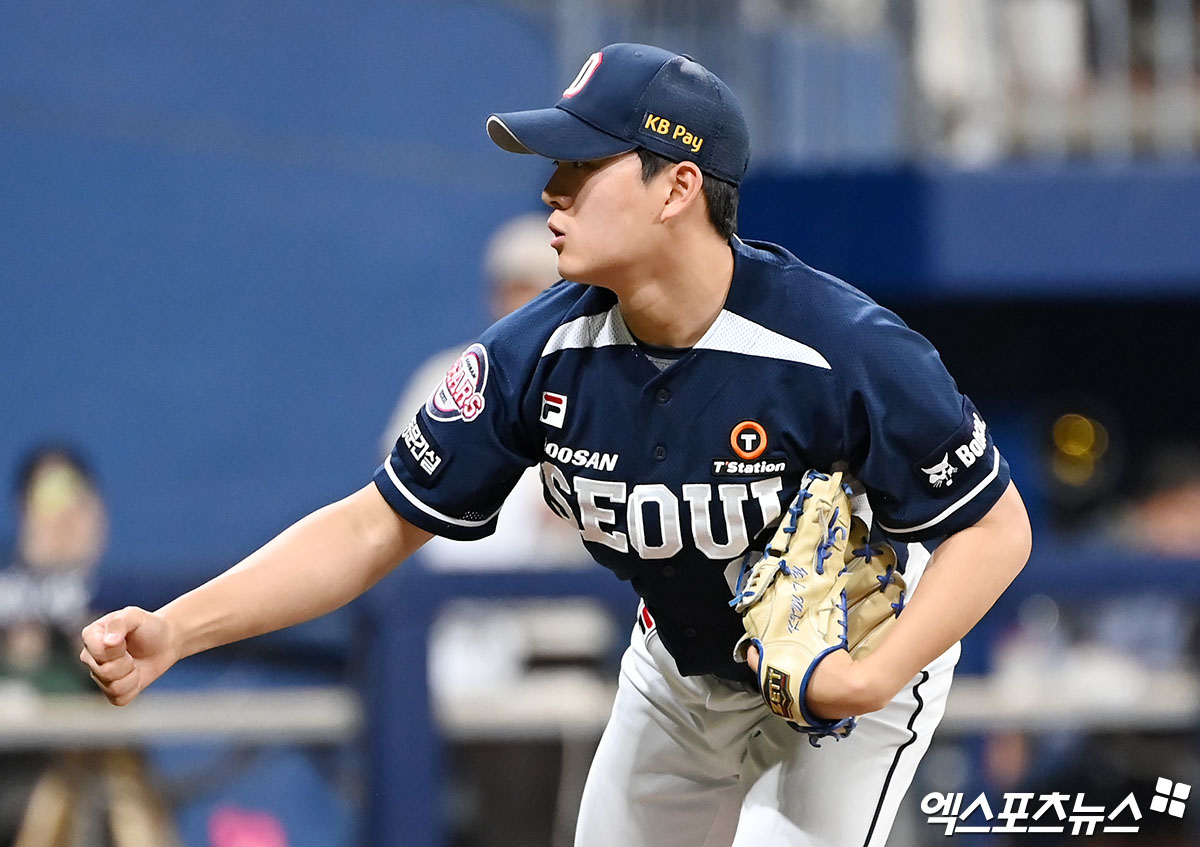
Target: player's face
point(603, 219)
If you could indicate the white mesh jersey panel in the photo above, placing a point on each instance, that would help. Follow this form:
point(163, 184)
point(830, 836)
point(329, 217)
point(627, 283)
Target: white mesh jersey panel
point(734, 334)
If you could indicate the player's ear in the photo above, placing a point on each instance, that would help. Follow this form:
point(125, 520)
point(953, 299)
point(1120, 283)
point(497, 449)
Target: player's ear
point(685, 189)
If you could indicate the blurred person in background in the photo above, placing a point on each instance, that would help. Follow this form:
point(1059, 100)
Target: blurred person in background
point(60, 800)
point(491, 642)
point(46, 587)
point(518, 264)
point(1165, 517)
point(999, 76)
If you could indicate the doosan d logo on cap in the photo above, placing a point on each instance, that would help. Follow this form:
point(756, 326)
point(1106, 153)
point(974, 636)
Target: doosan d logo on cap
point(628, 96)
point(585, 73)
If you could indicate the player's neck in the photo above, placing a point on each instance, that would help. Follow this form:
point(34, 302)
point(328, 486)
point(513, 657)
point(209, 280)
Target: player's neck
point(675, 303)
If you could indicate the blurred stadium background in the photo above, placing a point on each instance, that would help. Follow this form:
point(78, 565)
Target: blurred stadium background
point(229, 232)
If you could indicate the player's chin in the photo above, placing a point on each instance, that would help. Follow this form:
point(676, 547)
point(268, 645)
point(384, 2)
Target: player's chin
point(570, 267)
point(591, 269)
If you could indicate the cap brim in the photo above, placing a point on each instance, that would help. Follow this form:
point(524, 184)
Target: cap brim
point(554, 133)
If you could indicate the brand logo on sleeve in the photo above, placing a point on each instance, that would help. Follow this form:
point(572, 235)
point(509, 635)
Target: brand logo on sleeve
point(941, 473)
point(554, 409)
point(957, 453)
point(973, 449)
point(460, 394)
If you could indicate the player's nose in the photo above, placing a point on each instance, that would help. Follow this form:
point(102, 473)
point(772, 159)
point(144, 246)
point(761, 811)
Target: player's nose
point(555, 194)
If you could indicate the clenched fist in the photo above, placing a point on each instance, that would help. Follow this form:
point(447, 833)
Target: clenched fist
point(127, 650)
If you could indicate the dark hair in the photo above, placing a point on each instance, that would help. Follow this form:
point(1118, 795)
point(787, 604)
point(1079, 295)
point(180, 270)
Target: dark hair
point(32, 461)
point(721, 196)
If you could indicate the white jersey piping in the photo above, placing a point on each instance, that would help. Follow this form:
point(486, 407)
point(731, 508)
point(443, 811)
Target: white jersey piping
point(429, 510)
point(954, 507)
point(729, 333)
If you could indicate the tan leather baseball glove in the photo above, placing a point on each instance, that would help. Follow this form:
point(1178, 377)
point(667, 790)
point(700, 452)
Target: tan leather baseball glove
point(819, 587)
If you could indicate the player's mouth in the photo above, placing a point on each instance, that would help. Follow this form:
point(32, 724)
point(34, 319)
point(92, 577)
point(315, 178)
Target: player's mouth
point(558, 237)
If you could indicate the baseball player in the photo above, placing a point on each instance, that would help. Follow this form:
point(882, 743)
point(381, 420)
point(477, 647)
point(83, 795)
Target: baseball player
point(684, 392)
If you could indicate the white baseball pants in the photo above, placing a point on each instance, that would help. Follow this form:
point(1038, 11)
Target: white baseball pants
point(693, 762)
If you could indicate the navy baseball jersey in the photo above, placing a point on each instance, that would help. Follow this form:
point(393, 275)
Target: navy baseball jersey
point(676, 464)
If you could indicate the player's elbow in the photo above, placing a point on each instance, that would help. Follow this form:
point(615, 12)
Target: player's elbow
point(1023, 543)
point(1005, 530)
point(379, 537)
point(1017, 533)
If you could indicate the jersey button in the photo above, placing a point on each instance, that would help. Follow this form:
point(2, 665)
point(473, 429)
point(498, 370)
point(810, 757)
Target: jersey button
point(689, 632)
point(660, 452)
point(668, 571)
point(664, 395)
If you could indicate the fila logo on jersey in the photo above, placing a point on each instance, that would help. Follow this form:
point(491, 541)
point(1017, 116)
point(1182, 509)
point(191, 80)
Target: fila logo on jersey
point(585, 74)
point(460, 394)
point(554, 409)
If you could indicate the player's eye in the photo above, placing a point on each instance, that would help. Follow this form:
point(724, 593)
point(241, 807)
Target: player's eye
point(582, 166)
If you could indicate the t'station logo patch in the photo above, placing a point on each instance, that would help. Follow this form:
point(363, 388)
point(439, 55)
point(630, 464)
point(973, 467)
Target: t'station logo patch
point(459, 396)
point(736, 467)
point(554, 409)
point(748, 440)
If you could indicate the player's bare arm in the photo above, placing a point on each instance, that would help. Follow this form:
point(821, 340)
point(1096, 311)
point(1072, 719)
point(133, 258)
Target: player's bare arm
point(315, 566)
point(965, 576)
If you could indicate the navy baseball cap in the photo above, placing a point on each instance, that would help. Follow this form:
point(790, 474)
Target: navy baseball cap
point(633, 95)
